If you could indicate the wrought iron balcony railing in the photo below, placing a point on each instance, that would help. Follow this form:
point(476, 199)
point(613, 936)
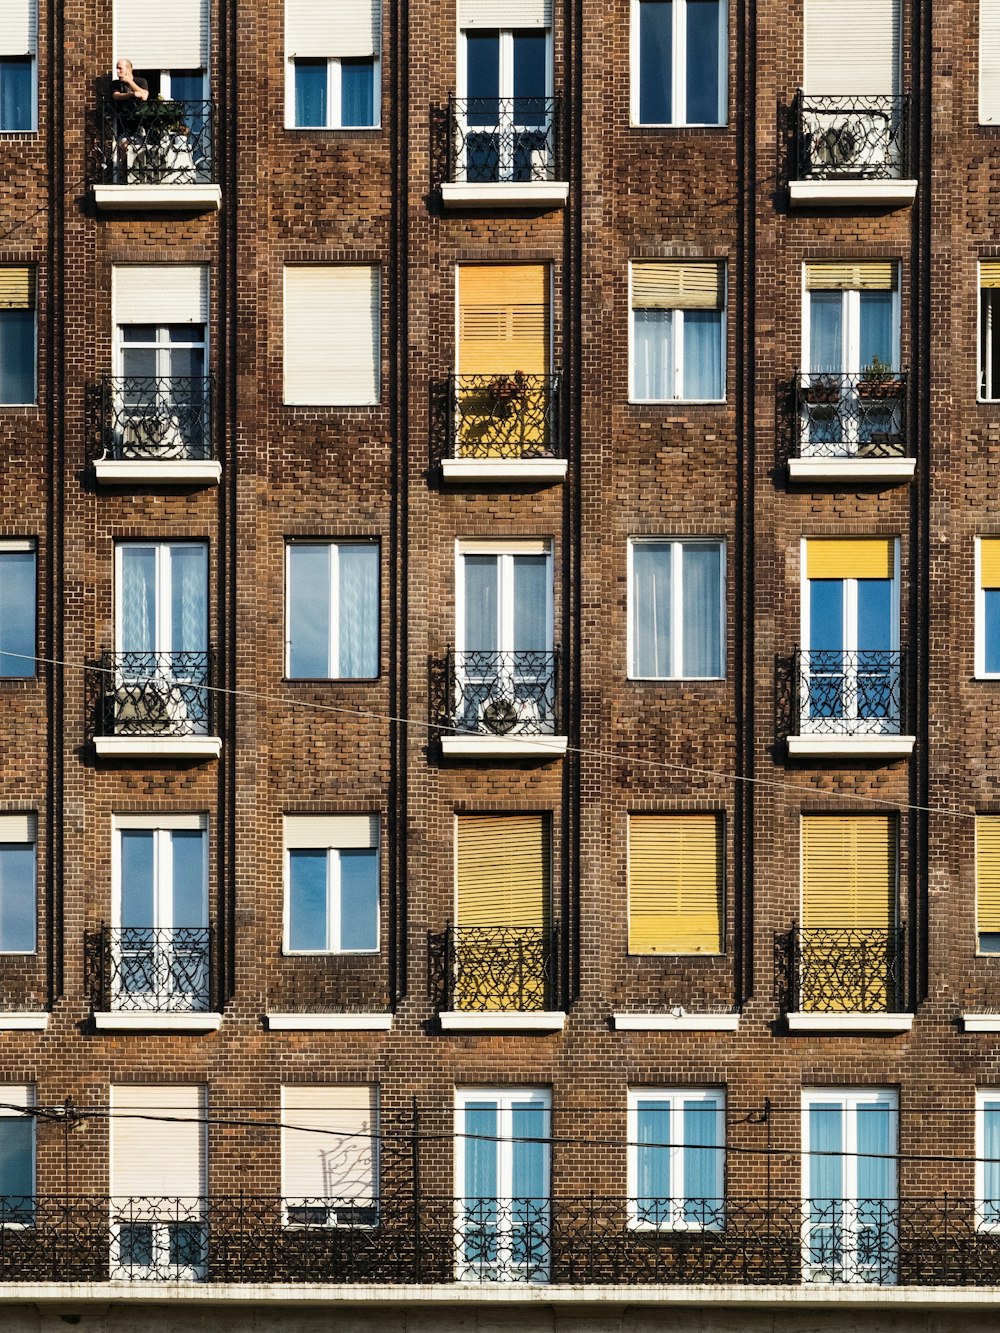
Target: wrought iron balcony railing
point(158, 142)
point(503, 416)
point(843, 693)
point(156, 694)
point(860, 138)
point(850, 971)
point(146, 418)
point(851, 416)
point(497, 969)
point(503, 694)
point(497, 139)
point(159, 969)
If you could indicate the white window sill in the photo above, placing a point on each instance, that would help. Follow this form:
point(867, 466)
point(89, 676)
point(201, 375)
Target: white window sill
point(503, 747)
point(847, 1023)
point(158, 747)
point(161, 198)
point(874, 744)
point(139, 1020)
point(830, 193)
point(861, 470)
point(24, 1020)
point(157, 472)
point(494, 1021)
point(981, 1022)
point(475, 471)
point(677, 402)
point(505, 194)
point(329, 1022)
point(675, 1022)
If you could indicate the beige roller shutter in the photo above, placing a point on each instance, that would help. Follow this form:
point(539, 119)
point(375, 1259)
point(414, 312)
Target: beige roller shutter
point(989, 62)
point(515, 14)
point(989, 273)
point(850, 558)
point(988, 873)
point(503, 870)
point(849, 872)
point(17, 287)
point(691, 285)
point(675, 880)
point(16, 1097)
point(332, 335)
point(845, 275)
point(158, 1158)
point(325, 831)
point(503, 319)
point(18, 27)
point(162, 36)
point(160, 293)
point(320, 28)
point(18, 828)
point(851, 48)
point(161, 820)
point(989, 562)
point(329, 1143)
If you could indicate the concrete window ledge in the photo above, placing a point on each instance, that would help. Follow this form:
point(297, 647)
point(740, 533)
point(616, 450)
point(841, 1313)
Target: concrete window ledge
point(847, 1023)
point(535, 1021)
point(981, 1022)
point(504, 194)
point(851, 747)
point(328, 1022)
point(157, 472)
point(158, 747)
point(864, 471)
point(513, 746)
point(23, 1020)
point(846, 193)
point(162, 198)
point(474, 471)
point(675, 1022)
point(136, 1020)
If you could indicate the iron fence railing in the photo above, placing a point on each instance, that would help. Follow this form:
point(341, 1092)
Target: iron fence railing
point(851, 416)
point(156, 694)
point(503, 416)
point(503, 693)
point(853, 137)
point(497, 139)
point(156, 417)
point(156, 969)
point(157, 142)
point(941, 1241)
point(498, 968)
point(843, 693)
point(849, 970)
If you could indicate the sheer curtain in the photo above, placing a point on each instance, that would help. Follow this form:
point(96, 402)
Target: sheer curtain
point(876, 328)
point(702, 1162)
point(358, 577)
point(652, 572)
point(189, 595)
point(531, 604)
point(702, 618)
point(652, 1184)
point(826, 332)
point(991, 1167)
point(653, 354)
point(703, 354)
point(309, 604)
point(481, 603)
point(138, 594)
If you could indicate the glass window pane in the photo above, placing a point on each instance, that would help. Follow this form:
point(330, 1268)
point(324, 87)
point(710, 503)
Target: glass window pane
point(16, 1158)
point(876, 328)
point(826, 614)
point(531, 603)
point(703, 65)
point(826, 332)
point(876, 1146)
point(653, 354)
point(701, 610)
point(702, 1163)
point(189, 598)
point(529, 77)
point(991, 1152)
point(137, 877)
point(187, 85)
point(358, 606)
point(482, 631)
point(651, 590)
point(17, 356)
point(310, 92)
point(826, 1127)
point(139, 363)
point(15, 94)
point(481, 1150)
point(991, 630)
point(529, 1122)
point(874, 614)
point(17, 613)
point(190, 898)
point(653, 1175)
point(357, 91)
point(656, 42)
point(17, 897)
point(482, 77)
point(138, 604)
point(703, 354)
point(359, 898)
point(307, 915)
point(309, 611)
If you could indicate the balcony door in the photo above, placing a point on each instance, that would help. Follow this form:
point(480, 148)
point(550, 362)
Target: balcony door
point(504, 103)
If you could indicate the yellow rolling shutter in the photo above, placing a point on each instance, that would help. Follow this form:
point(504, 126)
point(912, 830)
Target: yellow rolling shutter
point(692, 285)
point(989, 562)
point(989, 273)
point(841, 275)
point(504, 870)
point(503, 319)
point(17, 288)
point(988, 873)
point(675, 884)
point(850, 558)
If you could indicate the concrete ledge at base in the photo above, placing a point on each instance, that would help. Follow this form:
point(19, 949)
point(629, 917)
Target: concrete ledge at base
point(864, 471)
point(885, 1024)
point(158, 747)
point(505, 194)
point(478, 471)
point(852, 193)
point(668, 1022)
point(978, 1022)
point(165, 198)
point(851, 747)
point(24, 1020)
point(462, 1020)
point(157, 472)
point(138, 1020)
point(328, 1022)
point(503, 747)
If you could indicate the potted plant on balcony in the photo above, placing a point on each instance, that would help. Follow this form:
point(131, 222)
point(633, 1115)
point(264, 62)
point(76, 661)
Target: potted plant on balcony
point(823, 388)
point(507, 392)
point(879, 380)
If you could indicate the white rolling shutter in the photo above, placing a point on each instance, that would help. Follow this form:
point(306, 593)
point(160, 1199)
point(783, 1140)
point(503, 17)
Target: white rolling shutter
point(341, 831)
point(154, 1158)
point(851, 48)
point(332, 335)
point(989, 62)
point(162, 36)
point(18, 828)
point(160, 293)
point(329, 1143)
point(15, 1096)
point(514, 14)
point(18, 27)
point(333, 27)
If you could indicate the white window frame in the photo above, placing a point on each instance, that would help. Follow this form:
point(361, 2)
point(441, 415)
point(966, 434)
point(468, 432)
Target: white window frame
point(332, 1221)
point(980, 629)
point(505, 551)
point(334, 906)
point(673, 1207)
point(677, 319)
point(32, 58)
point(162, 578)
point(11, 1093)
point(161, 826)
point(678, 81)
point(851, 325)
point(506, 124)
point(986, 1099)
point(334, 103)
point(33, 401)
point(161, 345)
point(333, 545)
point(31, 820)
point(24, 546)
point(676, 602)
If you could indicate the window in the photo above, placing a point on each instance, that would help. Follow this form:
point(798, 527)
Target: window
point(158, 1197)
point(333, 64)
point(17, 335)
point(989, 62)
point(332, 884)
point(505, 82)
point(850, 668)
point(988, 1159)
point(333, 610)
point(329, 1154)
point(677, 609)
point(332, 317)
point(675, 883)
point(874, 76)
point(17, 608)
point(988, 606)
point(502, 1181)
point(17, 1154)
point(169, 48)
point(17, 883)
point(18, 42)
point(160, 945)
point(678, 62)
point(988, 883)
point(849, 1138)
point(989, 318)
point(676, 1158)
point(678, 331)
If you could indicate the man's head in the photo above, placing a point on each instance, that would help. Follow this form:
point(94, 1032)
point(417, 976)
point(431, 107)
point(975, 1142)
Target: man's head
point(124, 69)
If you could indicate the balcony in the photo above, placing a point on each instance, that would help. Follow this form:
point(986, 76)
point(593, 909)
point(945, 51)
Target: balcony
point(498, 979)
point(156, 430)
point(851, 151)
point(847, 980)
point(851, 428)
point(504, 153)
point(158, 155)
point(501, 705)
point(502, 429)
point(849, 704)
point(144, 978)
point(156, 705)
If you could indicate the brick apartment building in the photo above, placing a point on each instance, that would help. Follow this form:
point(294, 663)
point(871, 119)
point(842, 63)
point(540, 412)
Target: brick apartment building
point(499, 651)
